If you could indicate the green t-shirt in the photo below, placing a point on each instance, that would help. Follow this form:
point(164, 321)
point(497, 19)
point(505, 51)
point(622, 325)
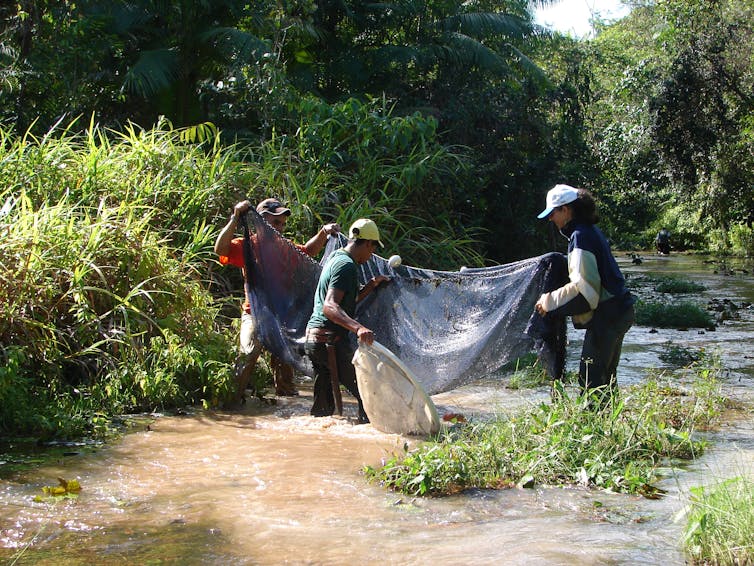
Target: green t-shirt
point(340, 273)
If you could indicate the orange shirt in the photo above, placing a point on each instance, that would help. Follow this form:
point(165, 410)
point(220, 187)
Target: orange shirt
point(235, 257)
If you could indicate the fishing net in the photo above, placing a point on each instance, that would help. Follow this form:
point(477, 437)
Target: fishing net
point(391, 396)
point(448, 328)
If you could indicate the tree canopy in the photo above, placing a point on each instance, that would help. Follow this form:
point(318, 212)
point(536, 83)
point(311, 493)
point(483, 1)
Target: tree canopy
point(654, 113)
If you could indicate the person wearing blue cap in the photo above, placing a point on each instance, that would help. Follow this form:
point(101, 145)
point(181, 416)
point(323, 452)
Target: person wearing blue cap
point(595, 296)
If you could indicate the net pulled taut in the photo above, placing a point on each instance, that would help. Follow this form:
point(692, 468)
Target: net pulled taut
point(448, 328)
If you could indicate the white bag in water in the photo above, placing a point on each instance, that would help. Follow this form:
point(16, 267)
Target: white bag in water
point(393, 399)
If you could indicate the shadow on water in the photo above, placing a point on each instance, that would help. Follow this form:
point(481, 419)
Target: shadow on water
point(271, 485)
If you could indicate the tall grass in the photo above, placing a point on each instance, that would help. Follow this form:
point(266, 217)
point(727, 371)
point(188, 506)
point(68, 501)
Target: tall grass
point(109, 290)
point(354, 159)
point(619, 447)
point(720, 523)
point(98, 312)
point(105, 299)
point(182, 185)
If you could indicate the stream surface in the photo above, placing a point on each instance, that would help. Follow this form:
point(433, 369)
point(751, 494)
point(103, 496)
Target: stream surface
point(270, 485)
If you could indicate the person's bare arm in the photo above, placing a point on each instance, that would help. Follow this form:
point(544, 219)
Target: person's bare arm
point(371, 286)
point(318, 241)
point(226, 235)
point(335, 313)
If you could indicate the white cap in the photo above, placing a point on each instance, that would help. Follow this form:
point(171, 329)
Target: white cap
point(558, 196)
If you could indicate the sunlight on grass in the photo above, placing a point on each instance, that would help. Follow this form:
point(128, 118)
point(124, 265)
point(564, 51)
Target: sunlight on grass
point(619, 447)
point(720, 523)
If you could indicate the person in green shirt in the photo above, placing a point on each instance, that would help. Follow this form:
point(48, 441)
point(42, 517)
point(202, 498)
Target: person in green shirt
point(332, 319)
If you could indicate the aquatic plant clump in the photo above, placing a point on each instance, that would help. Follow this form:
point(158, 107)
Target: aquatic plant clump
point(675, 285)
point(720, 523)
point(664, 284)
point(566, 442)
point(672, 315)
point(681, 356)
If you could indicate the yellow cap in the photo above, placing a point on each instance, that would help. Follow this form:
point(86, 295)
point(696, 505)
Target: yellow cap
point(365, 229)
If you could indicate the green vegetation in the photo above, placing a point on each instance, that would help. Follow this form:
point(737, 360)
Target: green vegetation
point(448, 120)
point(528, 373)
point(620, 447)
point(627, 113)
point(682, 356)
point(672, 315)
point(101, 315)
point(675, 285)
point(664, 284)
point(720, 523)
point(111, 298)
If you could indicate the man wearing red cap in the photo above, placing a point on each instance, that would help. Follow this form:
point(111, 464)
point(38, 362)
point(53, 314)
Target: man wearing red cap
point(230, 250)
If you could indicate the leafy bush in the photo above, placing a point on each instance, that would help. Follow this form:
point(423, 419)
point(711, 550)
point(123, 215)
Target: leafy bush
point(742, 239)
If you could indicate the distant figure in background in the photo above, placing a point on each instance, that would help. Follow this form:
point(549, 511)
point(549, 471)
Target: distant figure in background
point(662, 242)
point(230, 250)
point(595, 296)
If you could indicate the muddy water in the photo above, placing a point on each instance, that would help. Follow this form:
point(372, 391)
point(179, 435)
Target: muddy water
point(271, 485)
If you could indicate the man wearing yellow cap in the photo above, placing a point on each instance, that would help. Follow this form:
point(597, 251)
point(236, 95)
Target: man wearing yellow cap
point(332, 319)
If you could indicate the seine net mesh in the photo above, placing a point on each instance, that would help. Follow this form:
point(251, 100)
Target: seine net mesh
point(448, 328)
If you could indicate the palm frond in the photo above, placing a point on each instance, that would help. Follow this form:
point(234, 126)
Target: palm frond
point(307, 30)
point(153, 71)
point(484, 24)
point(460, 49)
point(199, 133)
point(527, 64)
point(233, 43)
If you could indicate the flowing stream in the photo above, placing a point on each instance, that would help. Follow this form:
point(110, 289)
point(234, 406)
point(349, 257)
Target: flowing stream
point(271, 485)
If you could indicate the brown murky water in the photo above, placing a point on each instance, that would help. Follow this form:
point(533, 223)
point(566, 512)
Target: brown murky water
point(271, 485)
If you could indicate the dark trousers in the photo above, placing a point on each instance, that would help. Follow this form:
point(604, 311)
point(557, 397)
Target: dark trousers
point(602, 346)
point(324, 403)
point(283, 375)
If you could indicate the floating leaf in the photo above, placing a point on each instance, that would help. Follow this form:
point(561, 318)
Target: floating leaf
point(66, 488)
point(71, 486)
